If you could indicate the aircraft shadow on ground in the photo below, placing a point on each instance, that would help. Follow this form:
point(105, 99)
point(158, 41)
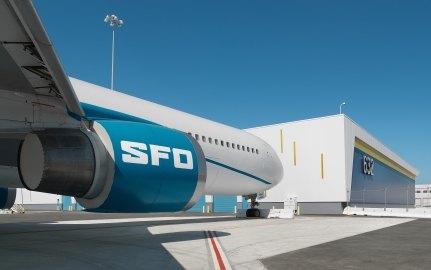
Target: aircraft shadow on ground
point(100, 246)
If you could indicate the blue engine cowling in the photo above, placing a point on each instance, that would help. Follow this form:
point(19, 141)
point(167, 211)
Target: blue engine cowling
point(150, 168)
point(7, 197)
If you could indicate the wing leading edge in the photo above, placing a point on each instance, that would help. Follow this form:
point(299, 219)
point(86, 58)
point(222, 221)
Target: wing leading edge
point(28, 61)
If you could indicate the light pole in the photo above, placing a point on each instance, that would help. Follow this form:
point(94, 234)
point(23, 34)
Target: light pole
point(113, 21)
point(341, 105)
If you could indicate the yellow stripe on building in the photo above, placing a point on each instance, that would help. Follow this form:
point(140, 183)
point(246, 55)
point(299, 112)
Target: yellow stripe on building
point(281, 141)
point(322, 172)
point(361, 145)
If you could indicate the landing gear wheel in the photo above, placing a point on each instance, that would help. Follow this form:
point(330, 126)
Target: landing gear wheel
point(253, 212)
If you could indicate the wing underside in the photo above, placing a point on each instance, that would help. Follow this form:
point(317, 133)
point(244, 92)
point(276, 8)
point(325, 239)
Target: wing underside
point(28, 62)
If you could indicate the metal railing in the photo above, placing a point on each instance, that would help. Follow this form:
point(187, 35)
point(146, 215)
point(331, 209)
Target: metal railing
point(385, 197)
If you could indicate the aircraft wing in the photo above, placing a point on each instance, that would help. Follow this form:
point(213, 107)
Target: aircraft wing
point(28, 62)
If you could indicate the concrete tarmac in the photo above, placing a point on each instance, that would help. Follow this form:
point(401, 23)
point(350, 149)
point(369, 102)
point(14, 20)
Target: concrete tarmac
point(405, 246)
point(79, 240)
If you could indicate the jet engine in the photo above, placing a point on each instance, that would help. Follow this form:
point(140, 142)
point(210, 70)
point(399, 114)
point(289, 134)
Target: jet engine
point(116, 166)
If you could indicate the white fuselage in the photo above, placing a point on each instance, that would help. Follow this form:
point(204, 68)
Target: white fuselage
point(238, 163)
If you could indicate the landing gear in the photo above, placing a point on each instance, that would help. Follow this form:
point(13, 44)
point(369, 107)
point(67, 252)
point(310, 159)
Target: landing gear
point(252, 212)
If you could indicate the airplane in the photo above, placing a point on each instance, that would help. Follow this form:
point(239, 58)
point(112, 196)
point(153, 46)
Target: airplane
point(111, 151)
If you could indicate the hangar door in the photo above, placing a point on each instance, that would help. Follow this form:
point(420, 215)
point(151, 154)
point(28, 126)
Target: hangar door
point(224, 203)
point(198, 206)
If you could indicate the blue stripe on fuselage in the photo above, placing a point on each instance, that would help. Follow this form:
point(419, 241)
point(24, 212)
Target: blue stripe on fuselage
point(238, 171)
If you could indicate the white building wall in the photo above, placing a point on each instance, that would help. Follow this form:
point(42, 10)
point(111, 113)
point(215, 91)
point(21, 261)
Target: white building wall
point(27, 197)
point(312, 138)
point(423, 195)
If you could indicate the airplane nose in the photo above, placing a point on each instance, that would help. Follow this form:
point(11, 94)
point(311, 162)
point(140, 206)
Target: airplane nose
point(273, 167)
point(278, 171)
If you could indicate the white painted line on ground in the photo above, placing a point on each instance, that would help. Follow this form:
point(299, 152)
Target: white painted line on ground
point(127, 220)
point(218, 256)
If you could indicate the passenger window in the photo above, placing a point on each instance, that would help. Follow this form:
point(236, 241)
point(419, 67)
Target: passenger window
point(216, 141)
point(248, 149)
point(204, 139)
point(233, 145)
point(252, 150)
point(243, 148)
point(227, 144)
point(257, 151)
point(210, 140)
point(197, 137)
point(238, 147)
point(190, 134)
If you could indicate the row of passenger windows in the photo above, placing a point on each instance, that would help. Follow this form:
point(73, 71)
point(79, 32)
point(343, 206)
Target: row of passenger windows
point(423, 191)
point(223, 143)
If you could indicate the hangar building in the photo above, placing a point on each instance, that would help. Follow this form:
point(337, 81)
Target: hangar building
point(331, 162)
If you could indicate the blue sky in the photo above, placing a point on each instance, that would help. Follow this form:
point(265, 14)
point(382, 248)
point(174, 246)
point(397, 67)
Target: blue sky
point(250, 63)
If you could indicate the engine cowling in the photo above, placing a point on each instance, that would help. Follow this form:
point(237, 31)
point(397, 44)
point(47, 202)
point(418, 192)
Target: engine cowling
point(120, 167)
point(7, 197)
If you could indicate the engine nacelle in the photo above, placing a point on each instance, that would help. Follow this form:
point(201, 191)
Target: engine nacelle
point(120, 167)
point(156, 169)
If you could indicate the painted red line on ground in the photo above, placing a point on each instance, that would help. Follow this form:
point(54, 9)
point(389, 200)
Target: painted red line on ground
point(216, 251)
